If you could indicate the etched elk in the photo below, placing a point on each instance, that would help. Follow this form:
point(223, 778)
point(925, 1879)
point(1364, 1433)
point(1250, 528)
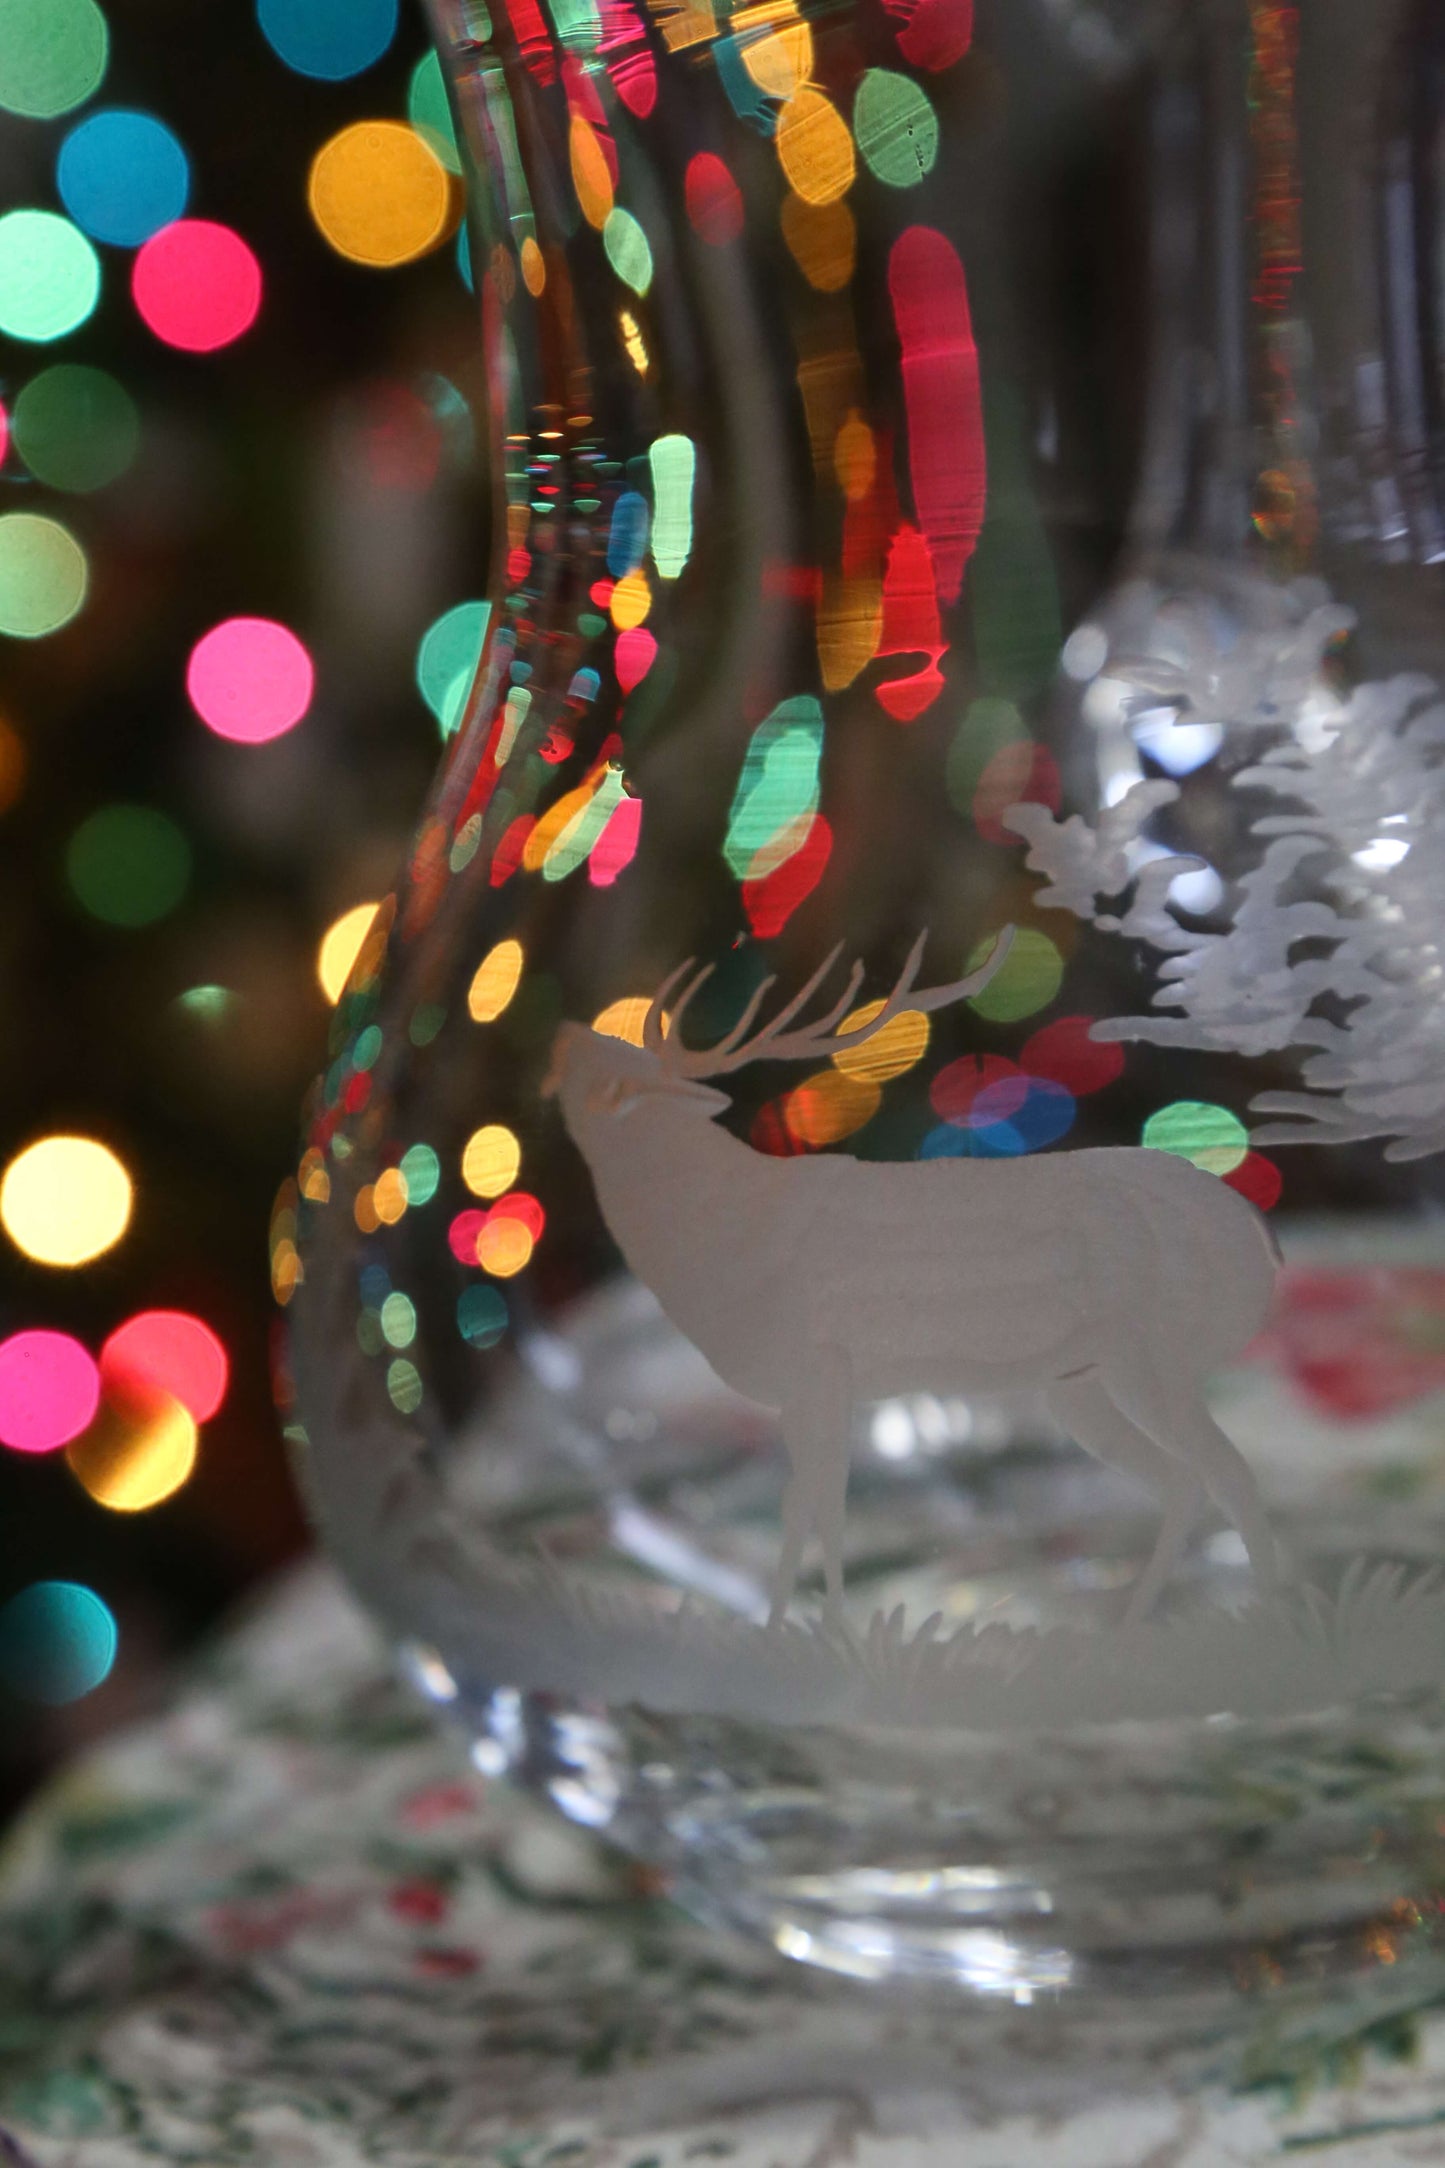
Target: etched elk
point(1113, 1280)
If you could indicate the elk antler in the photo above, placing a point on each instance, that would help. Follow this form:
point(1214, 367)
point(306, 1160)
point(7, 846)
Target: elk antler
point(811, 1041)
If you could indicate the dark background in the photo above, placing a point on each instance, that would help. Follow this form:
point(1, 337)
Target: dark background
point(319, 471)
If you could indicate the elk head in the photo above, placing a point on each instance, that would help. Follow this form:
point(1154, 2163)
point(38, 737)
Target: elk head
point(600, 1079)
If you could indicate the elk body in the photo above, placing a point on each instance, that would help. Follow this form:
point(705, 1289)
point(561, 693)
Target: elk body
point(1111, 1280)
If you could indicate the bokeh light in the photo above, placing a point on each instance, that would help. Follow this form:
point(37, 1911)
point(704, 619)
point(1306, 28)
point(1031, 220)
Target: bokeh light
point(167, 1352)
point(1027, 980)
point(628, 250)
point(58, 1642)
point(49, 275)
point(1258, 1179)
point(429, 113)
point(65, 1200)
point(49, 1391)
point(379, 194)
point(122, 175)
point(128, 865)
point(1210, 1136)
point(197, 285)
point(1065, 1052)
point(340, 946)
point(328, 39)
point(482, 1317)
point(139, 1453)
point(52, 55)
point(447, 658)
point(421, 1170)
point(75, 427)
point(494, 982)
point(12, 765)
point(814, 147)
point(902, 1042)
point(830, 1106)
point(491, 1160)
point(895, 127)
point(43, 575)
point(250, 680)
point(714, 200)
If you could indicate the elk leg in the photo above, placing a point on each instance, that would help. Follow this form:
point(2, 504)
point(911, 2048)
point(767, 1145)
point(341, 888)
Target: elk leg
point(1085, 1410)
point(818, 1436)
point(1176, 1418)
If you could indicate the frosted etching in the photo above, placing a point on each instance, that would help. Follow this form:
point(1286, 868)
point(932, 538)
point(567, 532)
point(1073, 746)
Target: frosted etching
point(1114, 1280)
point(1333, 945)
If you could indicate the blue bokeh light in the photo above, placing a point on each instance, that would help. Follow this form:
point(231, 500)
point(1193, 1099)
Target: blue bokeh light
point(58, 1642)
point(1047, 1113)
point(122, 175)
point(328, 39)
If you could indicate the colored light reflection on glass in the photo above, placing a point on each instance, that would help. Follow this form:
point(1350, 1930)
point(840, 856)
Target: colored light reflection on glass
point(714, 200)
point(76, 428)
point(340, 946)
point(128, 865)
point(823, 240)
point(58, 1642)
point(673, 460)
point(65, 1200)
point(429, 113)
point(1065, 1052)
point(197, 285)
point(49, 276)
point(122, 175)
point(491, 1160)
point(623, 1019)
point(1210, 1136)
point(140, 1453)
point(328, 39)
point(895, 127)
point(379, 194)
point(627, 249)
point(494, 982)
point(250, 680)
point(889, 1053)
point(49, 1391)
point(167, 1352)
point(942, 394)
point(814, 147)
point(52, 55)
point(447, 658)
point(616, 847)
point(43, 575)
point(778, 786)
point(1027, 980)
point(482, 1317)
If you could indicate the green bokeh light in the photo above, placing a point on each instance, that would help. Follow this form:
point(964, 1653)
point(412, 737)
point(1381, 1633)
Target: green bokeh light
point(896, 128)
point(398, 1319)
point(49, 275)
point(52, 55)
point(76, 428)
point(43, 575)
point(482, 1315)
point(1027, 980)
point(627, 250)
point(429, 113)
point(421, 1170)
point(1210, 1136)
point(128, 865)
point(447, 658)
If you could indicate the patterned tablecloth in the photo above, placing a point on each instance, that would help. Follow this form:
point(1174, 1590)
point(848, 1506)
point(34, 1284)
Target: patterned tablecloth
point(286, 1925)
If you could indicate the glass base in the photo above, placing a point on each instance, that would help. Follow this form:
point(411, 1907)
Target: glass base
point(1271, 1840)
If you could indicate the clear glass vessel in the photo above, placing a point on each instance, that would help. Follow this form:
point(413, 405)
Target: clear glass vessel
point(765, 1401)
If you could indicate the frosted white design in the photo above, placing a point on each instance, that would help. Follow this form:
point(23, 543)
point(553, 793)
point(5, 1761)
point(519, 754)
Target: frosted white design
point(1242, 653)
point(1113, 1281)
point(1344, 906)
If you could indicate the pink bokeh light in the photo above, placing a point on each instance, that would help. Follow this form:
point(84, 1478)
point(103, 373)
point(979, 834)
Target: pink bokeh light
point(249, 680)
point(49, 1391)
point(197, 285)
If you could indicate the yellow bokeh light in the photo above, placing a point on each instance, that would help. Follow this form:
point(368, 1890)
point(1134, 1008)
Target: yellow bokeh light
point(504, 1247)
point(590, 175)
point(896, 1048)
point(379, 193)
point(286, 1274)
point(494, 982)
point(631, 601)
point(390, 1196)
point(340, 947)
point(830, 1107)
point(491, 1160)
point(624, 1019)
point(131, 1458)
point(65, 1200)
point(854, 457)
point(823, 240)
point(363, 1209)
point(815, 148)
point(633, 340)
point(534, 267)
point(781, 60)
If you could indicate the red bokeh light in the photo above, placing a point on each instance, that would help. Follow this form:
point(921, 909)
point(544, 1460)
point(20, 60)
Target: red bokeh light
point(714, 201)
point(167, 1352)
point(1064, 1052)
